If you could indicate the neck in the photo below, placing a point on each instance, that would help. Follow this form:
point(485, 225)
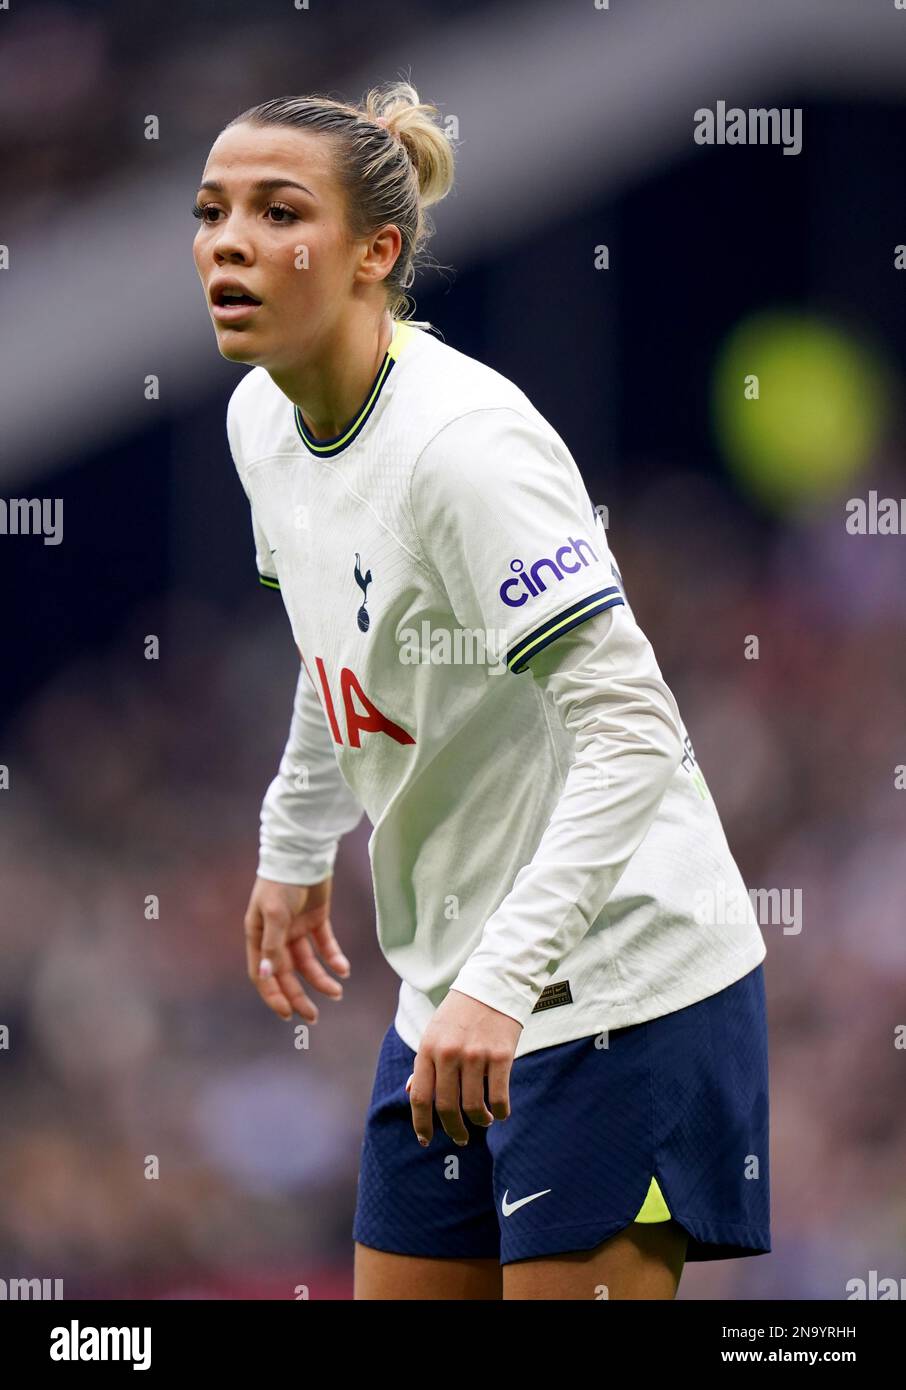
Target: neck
point(330, 388)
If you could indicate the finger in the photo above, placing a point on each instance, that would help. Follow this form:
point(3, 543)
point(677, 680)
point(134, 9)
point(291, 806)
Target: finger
point(253, 926)
point(268, 988)
point(297, 997)
point(329, 949)
point(421, 1098)
point(473, 1072)
point(311, 969)
point(498, 1071)
point(274, 997)
point(273, 939)
point(446, 1098)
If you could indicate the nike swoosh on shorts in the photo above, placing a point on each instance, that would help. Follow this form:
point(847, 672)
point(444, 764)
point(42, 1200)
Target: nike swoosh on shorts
point(509, 1207)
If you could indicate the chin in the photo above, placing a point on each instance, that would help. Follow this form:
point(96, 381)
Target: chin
point(235, 348)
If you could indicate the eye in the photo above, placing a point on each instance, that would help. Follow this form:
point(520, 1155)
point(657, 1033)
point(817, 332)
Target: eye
point(287, 213)
point(283, 213)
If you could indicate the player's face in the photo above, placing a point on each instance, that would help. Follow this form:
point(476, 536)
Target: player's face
point(287, 246)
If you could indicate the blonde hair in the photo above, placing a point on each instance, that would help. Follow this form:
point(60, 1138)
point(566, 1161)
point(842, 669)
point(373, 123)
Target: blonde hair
point(393, 161)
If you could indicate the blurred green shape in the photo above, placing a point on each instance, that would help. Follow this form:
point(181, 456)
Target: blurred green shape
point(822, 403)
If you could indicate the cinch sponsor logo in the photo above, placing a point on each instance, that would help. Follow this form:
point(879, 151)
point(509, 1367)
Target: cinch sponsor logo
point(529, 583)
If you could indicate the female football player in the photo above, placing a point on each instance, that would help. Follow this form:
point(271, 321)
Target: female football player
point(572, 1099)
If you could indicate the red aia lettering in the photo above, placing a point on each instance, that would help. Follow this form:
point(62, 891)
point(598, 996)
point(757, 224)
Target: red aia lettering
point(372, 721)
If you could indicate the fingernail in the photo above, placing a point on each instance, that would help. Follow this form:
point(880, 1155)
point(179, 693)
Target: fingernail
point(410, 1081)
point(344, 965)
point(265, 969)
point(423, 1142)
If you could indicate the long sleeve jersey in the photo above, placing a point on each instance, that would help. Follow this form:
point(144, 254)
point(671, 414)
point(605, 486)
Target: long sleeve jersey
point(474, 679)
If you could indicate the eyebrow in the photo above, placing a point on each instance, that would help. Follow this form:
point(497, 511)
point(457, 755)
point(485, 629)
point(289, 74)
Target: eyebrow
point(260, 186)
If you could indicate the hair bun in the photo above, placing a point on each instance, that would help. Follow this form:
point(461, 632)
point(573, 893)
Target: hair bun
point(398, 109)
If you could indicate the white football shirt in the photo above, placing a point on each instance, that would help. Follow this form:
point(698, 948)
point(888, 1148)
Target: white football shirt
point(474, 678)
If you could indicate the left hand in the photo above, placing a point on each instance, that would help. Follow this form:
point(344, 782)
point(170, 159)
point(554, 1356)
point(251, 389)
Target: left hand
point(464, 1042)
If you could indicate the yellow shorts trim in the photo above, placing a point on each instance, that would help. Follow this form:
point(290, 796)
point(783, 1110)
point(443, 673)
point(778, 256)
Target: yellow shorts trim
point(654, 1208)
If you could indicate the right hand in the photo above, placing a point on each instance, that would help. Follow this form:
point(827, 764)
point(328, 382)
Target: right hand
point(285, 924)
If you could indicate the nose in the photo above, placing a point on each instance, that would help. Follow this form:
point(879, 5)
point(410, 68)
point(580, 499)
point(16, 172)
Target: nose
point(230, 253)
point(231, 247)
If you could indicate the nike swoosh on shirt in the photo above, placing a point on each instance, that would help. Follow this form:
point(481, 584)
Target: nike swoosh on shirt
point(509, 1207)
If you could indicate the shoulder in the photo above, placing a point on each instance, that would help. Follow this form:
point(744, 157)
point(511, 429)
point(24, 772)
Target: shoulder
point(447, 388)
point(464, 417)
point(253, 388)
point(258, 418)
point(491, 453)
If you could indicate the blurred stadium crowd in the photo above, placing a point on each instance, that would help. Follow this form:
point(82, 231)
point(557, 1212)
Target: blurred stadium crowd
point(77, 79)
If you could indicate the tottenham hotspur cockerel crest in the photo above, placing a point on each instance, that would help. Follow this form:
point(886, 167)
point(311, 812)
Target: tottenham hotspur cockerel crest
point(362, 617)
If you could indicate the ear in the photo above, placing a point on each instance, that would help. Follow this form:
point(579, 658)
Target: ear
point(380, 254)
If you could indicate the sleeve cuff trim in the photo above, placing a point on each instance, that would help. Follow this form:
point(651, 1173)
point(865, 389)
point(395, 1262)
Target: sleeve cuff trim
point(540, 637)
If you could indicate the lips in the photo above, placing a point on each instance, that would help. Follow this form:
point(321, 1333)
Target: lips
point(233, 313)
point(232, 302)
point(228, 293)
point(230, 297)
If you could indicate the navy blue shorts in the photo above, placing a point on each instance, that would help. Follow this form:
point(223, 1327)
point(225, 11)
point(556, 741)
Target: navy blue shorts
point(670, 1119)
